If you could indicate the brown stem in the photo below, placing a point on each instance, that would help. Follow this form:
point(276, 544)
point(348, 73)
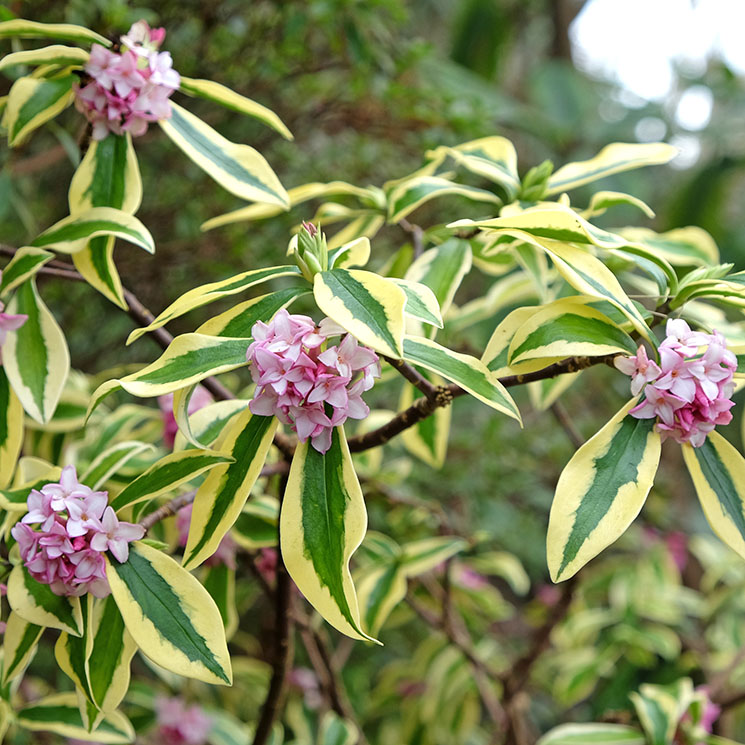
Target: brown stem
point(417, 235)
point(414, 377)
point(423, 407)
point(281, 655)
point(562, 417)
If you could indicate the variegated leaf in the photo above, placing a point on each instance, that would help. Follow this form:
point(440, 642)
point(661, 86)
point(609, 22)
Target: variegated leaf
point(19, 645)
point(11, 430)
point(36, 603)
point(108, 176)
point(204, 294)
point(57, 54)
point(110, 460)
point(566, 328)
point(219, 581)
point(73, 233)
point(603, 200)
point(591, 733)
point(219, 94)
point(322, 522)
point(493, 158)
point(33, 102)
point(442, 269)
point(221, 497)
point(405, 197)
point(35, 357)
point(23, 29)
point(466, 371)
point(427, 439)
point(171, 617)
point(25, 263)
point(681, 247)
point(166, 474)
point(59, 713)
point(718, 473)
point(421, 302)
point(240, 169)
point(600, 491)
point(367, 305)
point(611, 159)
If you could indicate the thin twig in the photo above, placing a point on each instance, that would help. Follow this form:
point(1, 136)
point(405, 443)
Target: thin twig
point(168, 509)
point(562, 417)
point(417, 236)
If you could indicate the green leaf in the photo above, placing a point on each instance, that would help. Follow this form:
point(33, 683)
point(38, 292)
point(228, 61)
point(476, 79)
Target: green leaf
point(611, 159)
point(166, 474)
point(37, 604)
point(108, 176)
point(73, 233)
point(600, 491)
point(322, 523)
point(718, 473)
point(20, 28)
point(171, 617)
point(592, 733)
point(219, 581)
point(57, 54)
point(565, 328)
point(256, 526)
point(221, 497)
point(367, 305)
point(337, 731)
point(35, 357)
point(240, 169)
point(11, 429)
point(442, 270)
point(33, 102)
point(462, 369)
point(380, 589)
point(231, 100)
point(19, 644)
point(406, 196)
point(208, 293)
point(59, 713)
point(25, 263)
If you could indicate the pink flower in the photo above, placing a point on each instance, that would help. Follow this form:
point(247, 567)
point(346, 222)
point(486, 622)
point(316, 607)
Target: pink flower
point(689, 392)
point(306, 387)
point(116, 536)
point(75, 528)
point(143, 40)
point(179, 725)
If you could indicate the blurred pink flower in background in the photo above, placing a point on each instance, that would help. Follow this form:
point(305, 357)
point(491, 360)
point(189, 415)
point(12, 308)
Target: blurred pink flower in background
point(179, 724)
point(199, 399)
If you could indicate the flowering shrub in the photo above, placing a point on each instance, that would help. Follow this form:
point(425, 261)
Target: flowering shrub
point(257, 470)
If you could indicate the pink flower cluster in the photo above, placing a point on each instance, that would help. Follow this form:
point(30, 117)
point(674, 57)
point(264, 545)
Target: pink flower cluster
point(689, 391)
point(296, 379)
point(130, 89)
point(179, 724)
point(76, 527)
